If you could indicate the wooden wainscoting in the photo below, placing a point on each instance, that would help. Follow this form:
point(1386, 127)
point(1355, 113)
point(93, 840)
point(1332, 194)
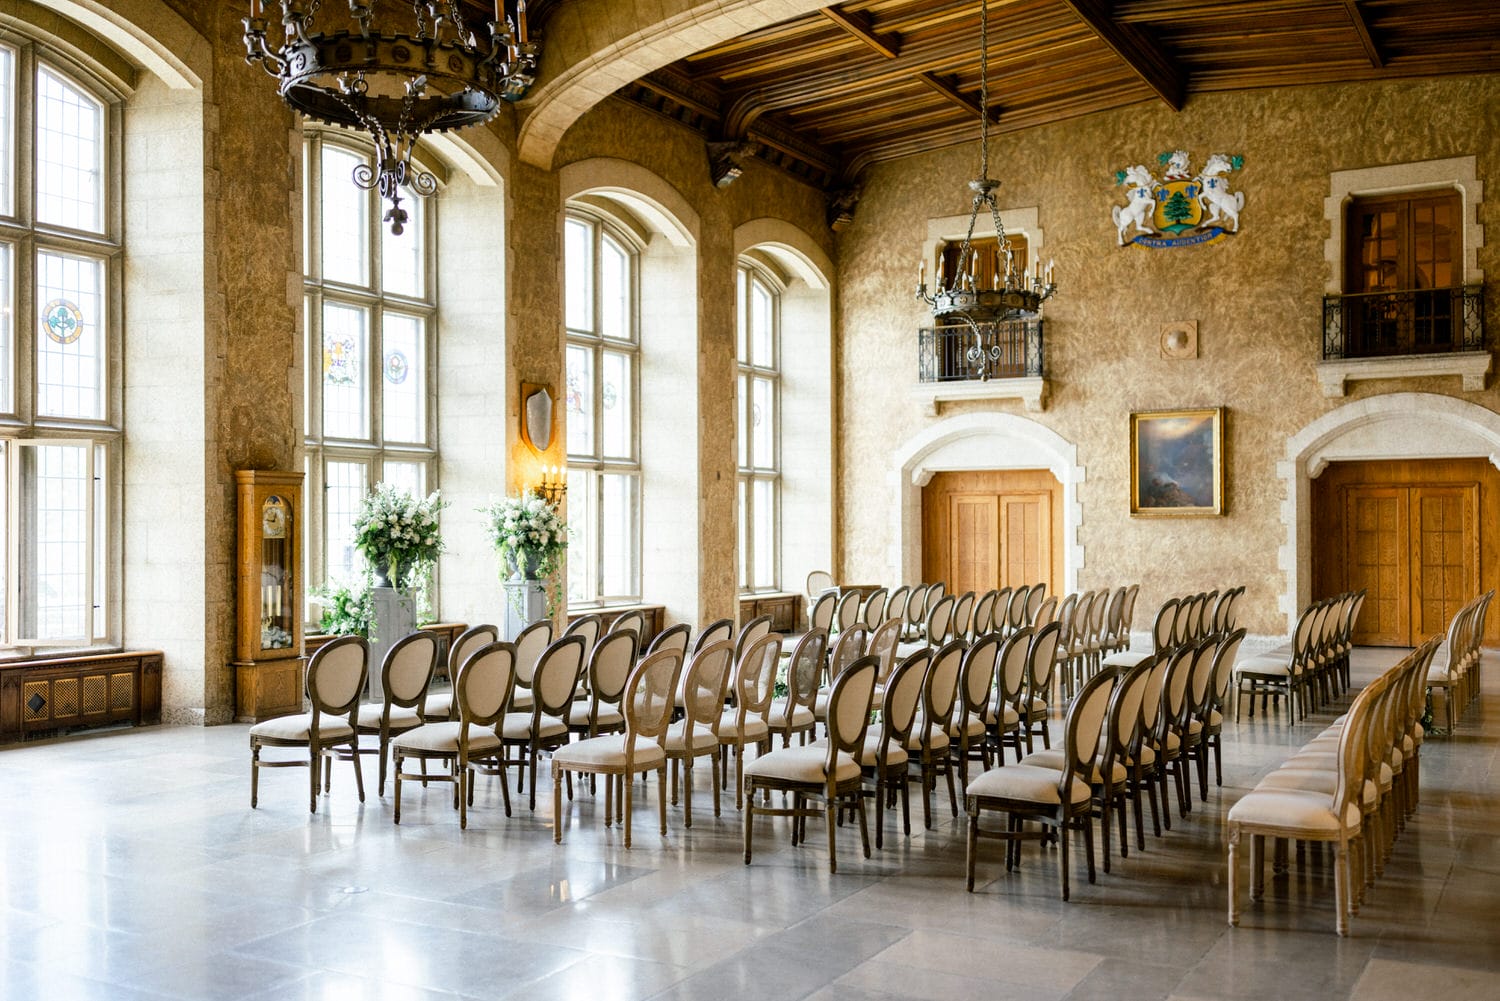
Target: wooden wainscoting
point(992, 528)
point(1417, 535)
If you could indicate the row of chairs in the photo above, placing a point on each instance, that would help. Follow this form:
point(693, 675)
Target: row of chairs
point(1455, 667)
point(927, 611)
point(1353, 786)
point(1313, 668)
point(1125, 732)
point(1094, 625)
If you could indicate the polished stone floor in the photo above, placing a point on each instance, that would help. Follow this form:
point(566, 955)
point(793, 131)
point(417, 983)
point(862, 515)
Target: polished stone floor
point(133, 868)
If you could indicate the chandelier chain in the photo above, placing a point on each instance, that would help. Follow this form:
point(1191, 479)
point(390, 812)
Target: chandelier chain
point(984, 88)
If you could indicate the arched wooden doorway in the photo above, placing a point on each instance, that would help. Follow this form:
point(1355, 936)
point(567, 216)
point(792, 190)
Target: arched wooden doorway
point(983, 529)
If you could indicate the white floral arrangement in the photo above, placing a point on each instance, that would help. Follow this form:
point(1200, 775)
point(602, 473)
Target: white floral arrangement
point(398, 533)
point(531, 538)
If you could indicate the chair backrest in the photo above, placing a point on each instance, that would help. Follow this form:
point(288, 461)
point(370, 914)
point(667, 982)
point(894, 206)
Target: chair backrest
point(468, 641)
point(633, 619)
point(408, 668)
point(336, 676)
point(819, 581)
point(1047, 612)
point(1206, 624)
point(1174, 693)
point(1082, 728)
point(1200, 681)
point(1129, 615)
point(1221, 611)
point(715, 632)
point(529, 646)
point(940, 693)
point(1083, 618)
point(755, 679)
point(903, 694)
point(849, 711)
point(751, 631)
point(935, 593)
point(1011, 675)
point(1000, 611)
point(1034, 598)
point(939, 618)
point(846, 613)
point(590, 627)
point(1187, 619)
point(916, 604)
point(984, 614)
point(1066, 614)
point(484, 684)
point(707, 681)
point(895, 604)
point(1016, 614)
point(849, 647)
point(1114, 616)
point(1224, 658)
point(1156, 677)
point(873, 612)
point(977, 676)
point(609, 667)
point(1098, 612)
point(556, 676)
point(804, 672)
point(1302, 636)
point(963, 610)
point(671, 638)
point(820, 616)
point(1121, 739)
point(1164, 628)
point(1041, 660)
point(883, 642)
point(1234, 607)
point(650, 695)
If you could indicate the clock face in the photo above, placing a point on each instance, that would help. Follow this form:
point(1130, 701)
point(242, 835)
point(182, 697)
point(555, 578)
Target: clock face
point(273, 518)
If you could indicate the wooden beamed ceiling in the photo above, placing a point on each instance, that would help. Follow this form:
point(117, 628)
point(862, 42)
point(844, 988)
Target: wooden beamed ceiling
point(826, 94)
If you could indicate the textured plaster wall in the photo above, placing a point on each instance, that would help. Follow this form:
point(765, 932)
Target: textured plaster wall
point(1256, 297)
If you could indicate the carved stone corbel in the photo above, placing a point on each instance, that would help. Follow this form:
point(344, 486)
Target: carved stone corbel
point(841, 205)
point(726, 160)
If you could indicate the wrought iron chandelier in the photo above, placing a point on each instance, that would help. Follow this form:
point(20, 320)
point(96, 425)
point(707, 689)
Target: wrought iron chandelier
point(1015, 293)
point(431, 74)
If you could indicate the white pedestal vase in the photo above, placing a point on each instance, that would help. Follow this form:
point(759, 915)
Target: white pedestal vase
point(525, 603)
point(395, 617)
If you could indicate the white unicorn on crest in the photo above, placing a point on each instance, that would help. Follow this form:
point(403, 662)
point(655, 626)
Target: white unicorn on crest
point(1141, 204)
point(1216, 198)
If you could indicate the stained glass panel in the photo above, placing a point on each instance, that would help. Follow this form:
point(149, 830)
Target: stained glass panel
point(69, 155)
point(345, 340)
point(403, 379)
point(69, 336)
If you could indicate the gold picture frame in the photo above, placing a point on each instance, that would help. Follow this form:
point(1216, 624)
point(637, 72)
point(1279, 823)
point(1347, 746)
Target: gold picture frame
point(1177, 463)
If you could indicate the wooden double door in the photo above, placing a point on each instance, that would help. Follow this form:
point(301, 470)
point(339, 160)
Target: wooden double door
point(1411, 534)
point(984, 529)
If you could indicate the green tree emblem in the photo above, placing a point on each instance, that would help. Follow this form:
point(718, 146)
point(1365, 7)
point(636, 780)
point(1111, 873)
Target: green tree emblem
point(1178, 209)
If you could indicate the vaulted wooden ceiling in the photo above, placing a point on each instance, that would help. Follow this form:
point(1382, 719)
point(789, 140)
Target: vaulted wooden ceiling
point(826, 94)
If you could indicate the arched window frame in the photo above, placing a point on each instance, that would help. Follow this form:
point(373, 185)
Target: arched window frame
point(90, 444)
point(602, 482)
point(341, 468)
point(758, 469)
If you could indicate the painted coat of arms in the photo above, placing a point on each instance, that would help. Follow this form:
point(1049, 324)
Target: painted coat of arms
point(1182, 209)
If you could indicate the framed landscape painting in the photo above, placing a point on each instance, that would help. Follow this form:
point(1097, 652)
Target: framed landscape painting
point(1177, 462)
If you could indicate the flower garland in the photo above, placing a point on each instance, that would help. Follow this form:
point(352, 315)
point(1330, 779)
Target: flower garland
point(531, 538)
point(398, 533)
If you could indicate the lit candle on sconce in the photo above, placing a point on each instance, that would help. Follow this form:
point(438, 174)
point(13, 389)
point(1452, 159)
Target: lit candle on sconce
point(255, 9)
point(520, 19)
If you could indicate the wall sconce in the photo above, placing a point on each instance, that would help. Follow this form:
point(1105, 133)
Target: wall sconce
point(554, 485)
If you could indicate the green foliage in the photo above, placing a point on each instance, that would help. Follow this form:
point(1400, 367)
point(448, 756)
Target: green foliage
point(532, 540)
point(397, 532)
point(348, 610)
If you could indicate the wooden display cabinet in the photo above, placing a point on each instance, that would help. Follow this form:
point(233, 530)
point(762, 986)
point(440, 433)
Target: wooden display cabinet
point(268, 602)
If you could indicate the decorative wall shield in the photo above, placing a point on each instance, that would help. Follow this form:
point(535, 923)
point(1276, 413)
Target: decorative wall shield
point(1182, 209)
point(536, 416)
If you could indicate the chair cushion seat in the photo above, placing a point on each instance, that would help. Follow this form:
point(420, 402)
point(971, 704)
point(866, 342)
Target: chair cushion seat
point(1292, 809)
point(802, 717)
point(608, 751)
point(937, 739)
point(820, 704)
point(1055, 759)
point(1039, 707)
point(1027, 783)
point(802, 764)
point(1126, 659)
point(439, 706)
point(1012, 718)
point(517, 726)
point(974, 726)
point(299, 727)
point(444, 737)
point(522, 699)
point(609, 716)
point(869, 754)
point(1265, 666)
point(1438, 675)
point(402, 718)
point(755, 727)
point(1215, 718)
point(703, 737)
point(1313, 781)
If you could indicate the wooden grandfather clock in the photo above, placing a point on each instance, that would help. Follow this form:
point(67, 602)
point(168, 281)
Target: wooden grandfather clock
point(268, 602)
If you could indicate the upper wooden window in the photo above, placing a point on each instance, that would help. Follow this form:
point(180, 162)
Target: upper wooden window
point(1404, 242)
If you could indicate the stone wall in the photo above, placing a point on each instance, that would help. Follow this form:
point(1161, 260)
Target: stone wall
point(1256, 297)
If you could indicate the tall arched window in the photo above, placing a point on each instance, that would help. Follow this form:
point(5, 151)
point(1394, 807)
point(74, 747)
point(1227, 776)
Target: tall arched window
point(758, 302)
point(604, 460)
point(60, 413)
point(370, 316)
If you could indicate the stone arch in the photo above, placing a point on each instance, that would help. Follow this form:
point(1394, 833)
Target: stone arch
point(170, 49)
point(1391, 426)
point(982, 441)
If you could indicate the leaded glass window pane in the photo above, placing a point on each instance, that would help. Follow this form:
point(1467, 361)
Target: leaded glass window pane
point(580, 400)
point(764, 502)
point(403, 378)
point(581, 563)
point(763, 423)
point(614, 292)
point(410, 477)
point(617, 523)
point(69, 336)
point(345, 217)
point(403, 269)
point(762, 325)
point(742, 426)
point(344, 486)
point(101, 495)
point(69, 155)
point(578, 250)
point(7, 330)
point(7, 136)
point(742, 519)
point(618, 400)
point(345, 350)
point(4, 539)
point(55, 491)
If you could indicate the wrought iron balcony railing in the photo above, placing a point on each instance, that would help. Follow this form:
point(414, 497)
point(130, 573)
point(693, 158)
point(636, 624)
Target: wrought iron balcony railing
point(1415, 322)
point(1007, 349)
